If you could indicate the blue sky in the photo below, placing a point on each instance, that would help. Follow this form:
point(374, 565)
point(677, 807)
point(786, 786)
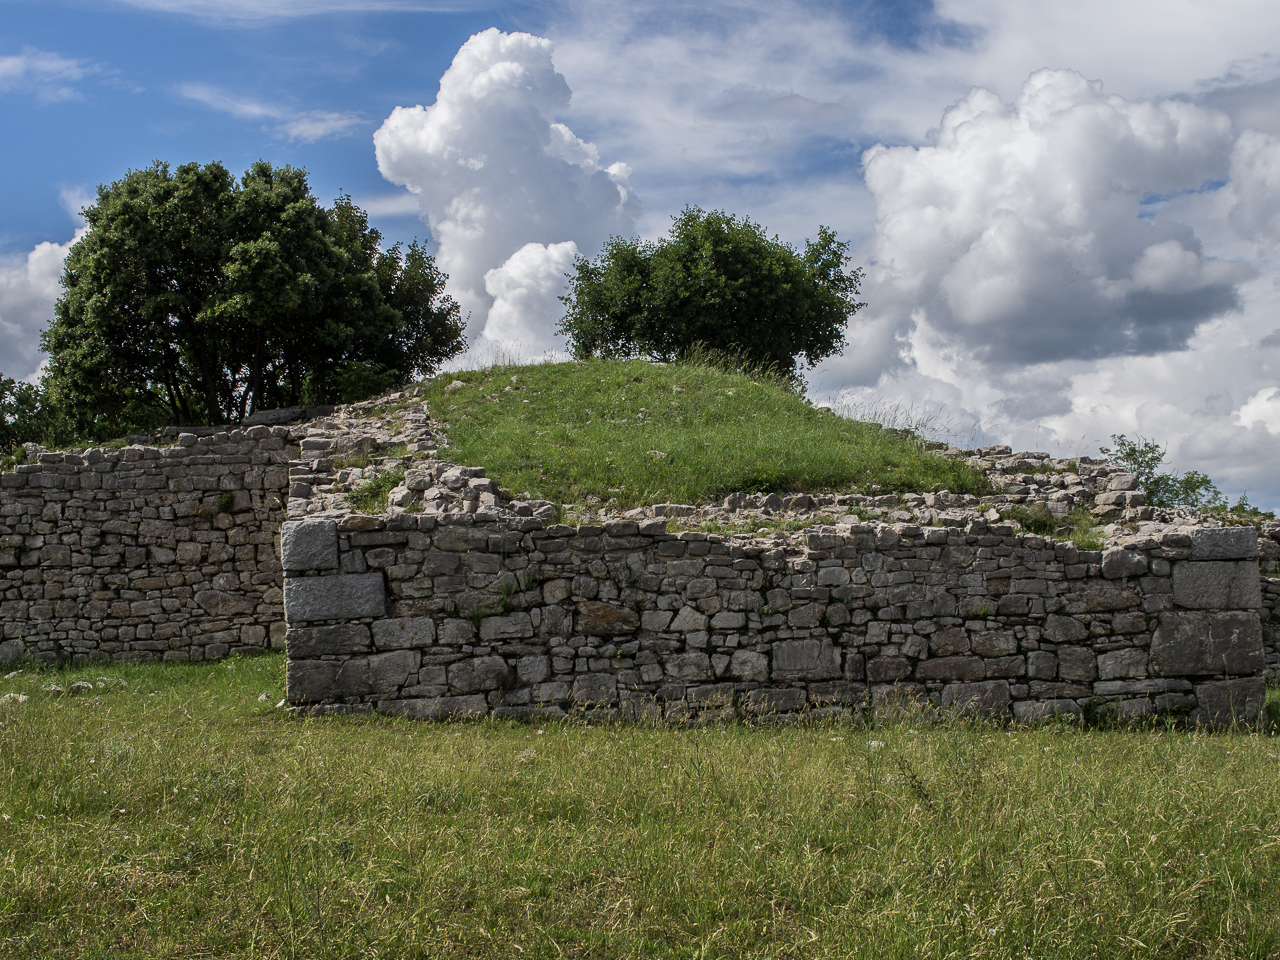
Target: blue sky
point(1069, 211)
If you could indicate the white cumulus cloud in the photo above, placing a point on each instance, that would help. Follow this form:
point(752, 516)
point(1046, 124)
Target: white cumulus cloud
point(494, 170)
point(29, 288)
point(48, 75)
point(526, 305)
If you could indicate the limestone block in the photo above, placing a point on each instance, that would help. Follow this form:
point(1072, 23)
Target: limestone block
point(1226, 703)
point(436, 708)
point(533, 669)
point(689, 620)
point(334, 597)
point(219, 603)
point(989, 698)
point(479, 673)
point(765, 700)
point(1217, 585)
point(1041, 665)
point(598, 688)
point(404, 632)
point(454, 632)
point(1064, 629)
point(11, 651)
point(888, 669)
point(1122, 663)
point(513, 626)
point(346, 638)
point(747, 665)
point(656, 620)
point(605, 620)
point(1190, 644)
point(1099, 596)
point(381, 673)
point(1033, 711)
point(805, 660)
point(951, 668)
point(309, 545)
point(461, 539)
point(1224, 543)
point(1077, 663)
point(309, 681)
point(689, 666)
point(1118, 562)
point(994, 643)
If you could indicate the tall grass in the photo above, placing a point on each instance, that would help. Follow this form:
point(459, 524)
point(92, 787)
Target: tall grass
point(175, 814)
point(635, 432)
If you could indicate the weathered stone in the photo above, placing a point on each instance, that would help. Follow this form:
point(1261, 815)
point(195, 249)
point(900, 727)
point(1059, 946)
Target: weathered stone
point(350, 597)
point(1077, 663)
point(1034, 711)
point(1122, 663)
point(380, 674)
point(479, 673)
point(1099, 596)
point(12, 651)
point(532, 670)
point(309, 681)
point(1064, 629)
point(1223, 704)
point(309, 545)
point(888, 669)
point(1224, 543)
point(460, 539)
point(403, 633)
point(951, 668)
point(1217, 585)
point(340, 640)
point(455, 632)
point(513, 626)
point(436, 708)
point(774, 700)
point(220, 603)
point(688, 620)
point(605, 619)
point(595, 688)
point(747, 665)
point(689, 666)
point(993, 643)
point(989, 698)
point(1189, 644)
point(805, 660)
point(1118, 562)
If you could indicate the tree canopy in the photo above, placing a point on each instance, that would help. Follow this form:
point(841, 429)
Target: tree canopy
point(715, 281)
point(195, 297)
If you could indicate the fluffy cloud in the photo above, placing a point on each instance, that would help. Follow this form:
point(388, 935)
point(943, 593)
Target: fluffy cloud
point(28, 290)
point(250, 10)
point(47, 75)
point(1255, 179)
point(1019, 231)
point(307, 126)
point(525, 291)
point(494, 171)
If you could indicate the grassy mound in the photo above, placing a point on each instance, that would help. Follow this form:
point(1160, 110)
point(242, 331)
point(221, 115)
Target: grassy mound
point(635, 432)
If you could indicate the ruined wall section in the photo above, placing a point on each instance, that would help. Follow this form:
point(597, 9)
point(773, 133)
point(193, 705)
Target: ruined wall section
point(470, 614)
point(145, 553)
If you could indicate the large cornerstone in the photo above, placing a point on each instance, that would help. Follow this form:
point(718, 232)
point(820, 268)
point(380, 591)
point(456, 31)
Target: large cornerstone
point(462, 615)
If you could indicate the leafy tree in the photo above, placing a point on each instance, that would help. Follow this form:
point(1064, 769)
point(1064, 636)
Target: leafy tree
point(1192, 489)
point(26, 415)
point(197, 298)
point(718, 282)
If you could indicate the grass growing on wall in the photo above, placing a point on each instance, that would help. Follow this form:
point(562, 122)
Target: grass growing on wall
point(176, 814)
point(635, 433)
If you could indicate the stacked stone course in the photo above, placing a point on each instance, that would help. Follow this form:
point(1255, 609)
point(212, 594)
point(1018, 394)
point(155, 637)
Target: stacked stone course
point(144, 553)
point(470, 614)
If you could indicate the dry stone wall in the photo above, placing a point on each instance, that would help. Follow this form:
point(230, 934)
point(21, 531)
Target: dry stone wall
point(145, 552)
point(475, 614)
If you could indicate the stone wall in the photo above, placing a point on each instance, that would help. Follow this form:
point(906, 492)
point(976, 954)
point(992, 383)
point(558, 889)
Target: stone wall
point(145, 552)
point(473, 614)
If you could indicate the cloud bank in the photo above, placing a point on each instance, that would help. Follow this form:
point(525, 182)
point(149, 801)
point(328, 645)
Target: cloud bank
point(29, 288)
point(494, 172)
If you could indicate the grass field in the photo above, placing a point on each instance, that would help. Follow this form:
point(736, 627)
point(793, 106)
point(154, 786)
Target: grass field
point(174, 813)
point(635, 432)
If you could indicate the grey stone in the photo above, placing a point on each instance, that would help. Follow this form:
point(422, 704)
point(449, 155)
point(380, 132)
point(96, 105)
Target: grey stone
point(774, 700)
point(994, 643)
point(309, 545)
point(479, 673)
point(1223, 704)
point(381, 673)
point(1189, 644)
point(1100, 596)
point(1118, 562)
point(990, 698)
point(747, 665)
point(345, 638)
point(461, 539)
point(605, 619)
point(689, 620)
point(888, 669)
point(689, 666)
point(805, 660)
point(309, 681)
point(339, 597)
point(455, 632)
point(404, 632)
point(533, 669)
point(11, 651)
point(220, 603)
point(513, 626)
point(1122, 663)
point(1033, 711)
point(1217, 585)
point(1064, 629)
point(595, 688)
point(436, 708)
point(951, 668)
point(1224, 543)
point(1077, 663)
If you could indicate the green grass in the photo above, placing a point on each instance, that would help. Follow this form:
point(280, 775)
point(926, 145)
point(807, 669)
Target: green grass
point(635, 433)
point(1078, 526)
point(174, 814)
point(371, 496)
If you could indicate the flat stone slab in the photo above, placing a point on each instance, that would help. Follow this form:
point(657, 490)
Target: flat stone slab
point(1224, 543)
point(1195, 644)
point(337, 597)
point(1217, 584)
point(309, 545)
